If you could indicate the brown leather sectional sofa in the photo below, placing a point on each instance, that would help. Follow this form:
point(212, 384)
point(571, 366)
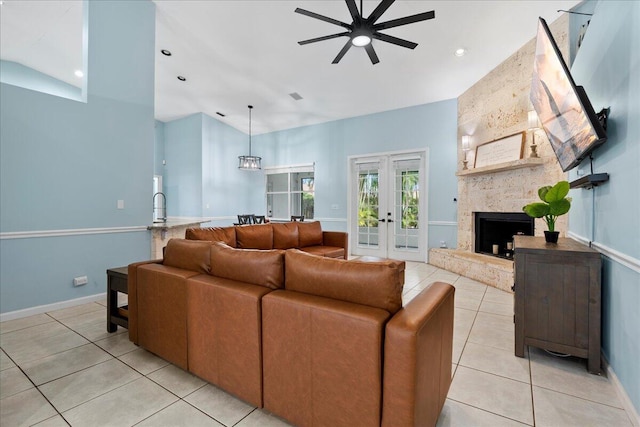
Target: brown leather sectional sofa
point(306, 236)
point(314, 340)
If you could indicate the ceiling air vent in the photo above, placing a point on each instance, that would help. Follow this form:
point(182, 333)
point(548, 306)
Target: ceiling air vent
point(296, 96)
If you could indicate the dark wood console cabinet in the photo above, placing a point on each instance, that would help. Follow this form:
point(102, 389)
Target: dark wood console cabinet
point(557, 298)
point(117, 281)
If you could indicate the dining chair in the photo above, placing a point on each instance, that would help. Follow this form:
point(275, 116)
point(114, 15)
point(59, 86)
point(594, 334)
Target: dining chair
point(245, 219)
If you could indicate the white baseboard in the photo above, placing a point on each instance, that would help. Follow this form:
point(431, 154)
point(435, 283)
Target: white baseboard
point(632, 413)
point(31, 311)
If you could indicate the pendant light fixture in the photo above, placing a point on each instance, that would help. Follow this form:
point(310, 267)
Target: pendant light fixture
point(251, 163)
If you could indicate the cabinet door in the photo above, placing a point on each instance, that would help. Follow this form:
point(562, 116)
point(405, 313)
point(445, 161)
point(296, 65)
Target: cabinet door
point(556, 295)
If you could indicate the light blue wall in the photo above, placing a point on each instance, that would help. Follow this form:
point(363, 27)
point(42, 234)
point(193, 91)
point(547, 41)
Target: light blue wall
point(64, 165)
point(227, 190)
point(201, 177)
point(429, 126)
point(16, 74)
point(158, 148)
point(201, 154)
point(182, 179)
point(608, 66)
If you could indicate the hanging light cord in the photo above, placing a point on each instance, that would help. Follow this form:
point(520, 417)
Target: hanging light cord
point(250, 107)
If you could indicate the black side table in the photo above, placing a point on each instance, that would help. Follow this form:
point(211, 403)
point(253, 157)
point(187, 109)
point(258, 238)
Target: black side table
point(116, 282)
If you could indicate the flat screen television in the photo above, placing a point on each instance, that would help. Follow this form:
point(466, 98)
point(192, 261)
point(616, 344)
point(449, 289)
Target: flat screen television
point(563, 108)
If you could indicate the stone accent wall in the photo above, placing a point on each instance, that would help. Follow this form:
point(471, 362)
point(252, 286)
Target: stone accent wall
point(495, 107)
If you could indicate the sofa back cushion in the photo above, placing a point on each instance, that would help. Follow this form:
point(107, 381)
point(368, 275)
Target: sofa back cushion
point(259, 236)
point(285, 235)
point(191, 255)
point(213, 234)
point(310, 234)
point(371, 284)
point(258, 267)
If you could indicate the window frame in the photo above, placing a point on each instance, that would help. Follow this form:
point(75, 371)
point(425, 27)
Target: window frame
point(290, 192)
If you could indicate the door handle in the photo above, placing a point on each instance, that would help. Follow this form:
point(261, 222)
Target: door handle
point(382, 220)
point(389, 220)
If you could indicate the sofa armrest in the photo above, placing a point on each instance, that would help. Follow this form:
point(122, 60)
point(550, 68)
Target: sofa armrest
point(132, 297)
point(417, 358)
point(338, 239)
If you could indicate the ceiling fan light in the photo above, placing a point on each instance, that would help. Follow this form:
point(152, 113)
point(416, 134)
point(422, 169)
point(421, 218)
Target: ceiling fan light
point(361, 40)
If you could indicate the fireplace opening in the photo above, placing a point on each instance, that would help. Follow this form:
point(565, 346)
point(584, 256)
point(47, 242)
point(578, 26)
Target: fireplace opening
point(498, 228)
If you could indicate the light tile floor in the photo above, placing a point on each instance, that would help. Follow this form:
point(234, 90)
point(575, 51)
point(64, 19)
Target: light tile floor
point(62, 368)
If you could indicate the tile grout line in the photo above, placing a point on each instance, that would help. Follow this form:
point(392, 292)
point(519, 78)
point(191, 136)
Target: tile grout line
point(489, 412)
point(533, 407)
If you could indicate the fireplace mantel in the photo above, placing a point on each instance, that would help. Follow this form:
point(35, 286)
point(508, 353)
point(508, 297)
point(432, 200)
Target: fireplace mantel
point(516, 164)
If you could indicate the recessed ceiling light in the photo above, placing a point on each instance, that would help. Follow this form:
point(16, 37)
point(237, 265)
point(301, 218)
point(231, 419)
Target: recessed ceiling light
point(182, 79)
point(460, 51)
point(165, 52)
point(78, 73)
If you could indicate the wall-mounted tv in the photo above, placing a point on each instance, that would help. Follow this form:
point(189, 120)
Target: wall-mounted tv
point(563, 108)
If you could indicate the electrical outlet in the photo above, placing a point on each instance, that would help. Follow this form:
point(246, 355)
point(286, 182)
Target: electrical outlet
point(120, 204)
point(79, 281)
point(443, 243)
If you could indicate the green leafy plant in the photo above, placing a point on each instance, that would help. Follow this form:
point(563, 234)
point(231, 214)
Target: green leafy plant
point(554, 204)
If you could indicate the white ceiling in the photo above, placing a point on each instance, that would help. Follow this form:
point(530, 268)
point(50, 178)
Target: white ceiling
point(234, 53)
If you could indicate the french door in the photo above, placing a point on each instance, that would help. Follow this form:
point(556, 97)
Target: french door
point(388, 206)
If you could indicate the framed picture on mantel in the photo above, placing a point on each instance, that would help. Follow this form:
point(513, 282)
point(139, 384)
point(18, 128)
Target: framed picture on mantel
point(501, 150)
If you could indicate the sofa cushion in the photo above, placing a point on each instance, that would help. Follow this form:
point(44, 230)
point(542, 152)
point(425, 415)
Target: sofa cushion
point(309, 234)
point(191, 255)
point(328, 251)
point(213, 234)
point(258, 267)
point(372, 284)
point(259, 236)
point(285, 235)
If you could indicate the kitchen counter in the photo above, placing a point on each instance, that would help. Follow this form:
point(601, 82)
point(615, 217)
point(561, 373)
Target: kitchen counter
point(173, 228)
point(178, 222)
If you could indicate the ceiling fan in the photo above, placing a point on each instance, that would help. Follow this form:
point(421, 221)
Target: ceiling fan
point(362, 30)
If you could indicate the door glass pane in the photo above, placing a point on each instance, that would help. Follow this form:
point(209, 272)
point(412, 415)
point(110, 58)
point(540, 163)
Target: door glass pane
point(406, 201)
point(368, 207)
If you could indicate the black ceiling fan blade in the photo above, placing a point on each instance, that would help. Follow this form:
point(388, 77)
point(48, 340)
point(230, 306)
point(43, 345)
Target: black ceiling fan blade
point(394, 40)
point(323, 18)
point(379, 10)
point(404, 21)
point(319, 39)
point(372, 54)
point(342, 52)
point(353, 10)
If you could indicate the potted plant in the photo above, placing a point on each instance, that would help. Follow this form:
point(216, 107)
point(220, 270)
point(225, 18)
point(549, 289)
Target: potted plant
point(554, 203)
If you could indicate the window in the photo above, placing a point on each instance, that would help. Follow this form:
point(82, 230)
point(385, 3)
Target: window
point(290, 191)
point(368, 203)
point(409, 189)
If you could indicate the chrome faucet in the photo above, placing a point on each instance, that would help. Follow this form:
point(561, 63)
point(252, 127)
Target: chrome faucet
point(163, 208)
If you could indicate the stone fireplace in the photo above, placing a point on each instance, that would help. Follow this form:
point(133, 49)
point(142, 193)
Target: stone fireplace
point(495, 107)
